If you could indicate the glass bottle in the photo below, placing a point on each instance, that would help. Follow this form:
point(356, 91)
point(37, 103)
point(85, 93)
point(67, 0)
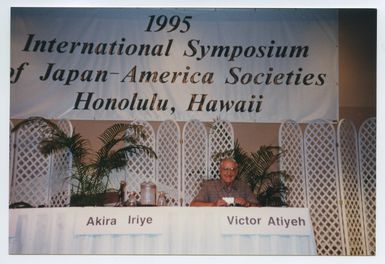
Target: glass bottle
point(162, 199)
point(131, 199)
point(148, 194)
point(123, 192)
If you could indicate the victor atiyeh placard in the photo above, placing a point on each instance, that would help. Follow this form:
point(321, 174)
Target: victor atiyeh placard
point(267, 220)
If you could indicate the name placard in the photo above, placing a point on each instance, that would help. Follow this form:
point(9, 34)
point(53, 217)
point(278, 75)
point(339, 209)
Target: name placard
point(113, 221)
point(294, 221)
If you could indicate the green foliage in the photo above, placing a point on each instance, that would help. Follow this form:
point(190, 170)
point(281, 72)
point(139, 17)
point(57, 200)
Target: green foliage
point(257, 169)
point(91, 171)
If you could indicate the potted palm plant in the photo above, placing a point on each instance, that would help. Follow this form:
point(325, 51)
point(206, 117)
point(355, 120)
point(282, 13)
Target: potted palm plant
point(259, 170)
point(91, 170)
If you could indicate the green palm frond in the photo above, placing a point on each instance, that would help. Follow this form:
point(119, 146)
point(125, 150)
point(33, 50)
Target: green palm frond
point(118, 132)
point(117, 160)
point(111, 132)
point(136, 149)
point(78, 146)
point(37, 120)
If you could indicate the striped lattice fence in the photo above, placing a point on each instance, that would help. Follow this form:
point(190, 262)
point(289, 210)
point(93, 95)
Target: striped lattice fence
point(340, 177)
point(168, 149)
point(323, 190)
point(291, 141)
point(194, 159)
point(350, 188)
point(367, 154)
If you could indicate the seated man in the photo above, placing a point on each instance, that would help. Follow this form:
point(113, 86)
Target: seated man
point(213, 192)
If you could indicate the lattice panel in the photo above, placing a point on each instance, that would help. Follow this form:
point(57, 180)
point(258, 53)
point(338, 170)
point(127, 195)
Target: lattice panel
point(221, 138)
point(367, 154)
point(323, 187)
point(66, 126)
point(291, 140)
point(194, 159)
point(61, 168)
point(60, 179)
point(168, 149)
point(141, 167)
point(11, 156)
point(30, 182)
point(350, 188)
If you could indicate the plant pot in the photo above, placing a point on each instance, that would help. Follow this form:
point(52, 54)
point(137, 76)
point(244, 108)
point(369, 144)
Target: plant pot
point(111, 198)
point(88, 200)
point(99, 199)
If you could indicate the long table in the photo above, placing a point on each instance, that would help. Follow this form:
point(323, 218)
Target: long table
point(161, 230)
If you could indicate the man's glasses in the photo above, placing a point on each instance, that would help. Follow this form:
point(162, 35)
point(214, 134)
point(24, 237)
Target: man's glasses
point(229, 169)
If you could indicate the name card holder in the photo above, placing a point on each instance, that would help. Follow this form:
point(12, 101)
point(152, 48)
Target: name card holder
point(269, 221)
point(117, 221)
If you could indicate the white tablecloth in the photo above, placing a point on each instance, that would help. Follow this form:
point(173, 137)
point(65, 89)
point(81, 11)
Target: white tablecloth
point(186, 231)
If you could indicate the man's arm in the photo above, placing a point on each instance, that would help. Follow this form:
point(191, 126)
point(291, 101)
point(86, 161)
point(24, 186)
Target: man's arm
point(197, 203)
point(250, 199)
point(220, 202)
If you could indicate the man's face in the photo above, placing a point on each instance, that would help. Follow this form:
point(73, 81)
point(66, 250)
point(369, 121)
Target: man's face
point(228, 171)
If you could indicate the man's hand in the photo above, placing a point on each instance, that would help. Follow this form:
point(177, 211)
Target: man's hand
point(220, 202)
point(242, 202)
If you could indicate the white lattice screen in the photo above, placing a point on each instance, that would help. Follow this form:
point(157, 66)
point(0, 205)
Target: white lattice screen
point(39, 180)
point(11, 155)
point(350, 188)
point(194, 159)
point(60, 172)
point(221, 138)
point(291, 140)
point(30, 182)
point(323, 187)
point(367, 154)
point(168, 169)
point(141, 167)
point(320, 158)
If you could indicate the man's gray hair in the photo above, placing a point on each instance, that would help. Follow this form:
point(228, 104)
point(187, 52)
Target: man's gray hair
point(228, 159)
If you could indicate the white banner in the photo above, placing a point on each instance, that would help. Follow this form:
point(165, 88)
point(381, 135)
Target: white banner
point(244, 65)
